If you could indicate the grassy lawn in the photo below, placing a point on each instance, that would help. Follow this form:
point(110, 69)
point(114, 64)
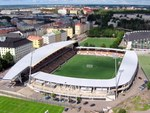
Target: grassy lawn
point(12, 105)
point(136, 103)
point(144, 61)
point(92, 67)
point(139, 104)
point(98, 41)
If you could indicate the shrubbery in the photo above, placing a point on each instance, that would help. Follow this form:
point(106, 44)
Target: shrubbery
point(148, 85)
point(6, 61)
point(121, 110)
point(107, 32)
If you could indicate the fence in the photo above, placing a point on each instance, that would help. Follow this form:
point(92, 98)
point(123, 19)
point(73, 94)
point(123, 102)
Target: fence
point(148, 78)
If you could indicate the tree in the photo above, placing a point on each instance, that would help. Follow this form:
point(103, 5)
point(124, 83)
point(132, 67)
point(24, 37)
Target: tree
point(91, 17)
point(4, 64)
point(78, 99)
point(86, 44)
point(53, 95)
point(121, 110)
point(9, 58)
point(6, 17)
point(91, 45)
point(148, 85)
point(103, 45)
point(1, 66)
point(68, 38)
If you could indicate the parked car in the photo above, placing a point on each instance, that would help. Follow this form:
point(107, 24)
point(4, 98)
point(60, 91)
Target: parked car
point(72, 101)
point(86, 102)
point(47, 97)
point(66, 109)
point(56, 99)
point(92, 105)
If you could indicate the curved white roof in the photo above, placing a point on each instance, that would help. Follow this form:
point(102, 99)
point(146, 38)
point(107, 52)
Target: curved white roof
point(37, 56)
point(125, 73)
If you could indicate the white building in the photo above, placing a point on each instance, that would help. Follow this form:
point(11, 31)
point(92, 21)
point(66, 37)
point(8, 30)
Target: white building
point(48, 38)
point(18, 47)
point(63, 35)
point(62, 11)
point(88, 25)
point(54, 37)
point(7, 11)
point(113, 23)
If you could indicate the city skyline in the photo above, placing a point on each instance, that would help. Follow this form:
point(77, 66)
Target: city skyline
point(126, 2)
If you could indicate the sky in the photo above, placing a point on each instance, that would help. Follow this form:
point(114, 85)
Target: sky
point(128, 2)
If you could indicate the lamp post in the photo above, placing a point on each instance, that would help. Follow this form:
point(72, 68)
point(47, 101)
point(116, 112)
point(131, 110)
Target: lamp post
point(115, 57)
point(117, 82)
point(30, 71)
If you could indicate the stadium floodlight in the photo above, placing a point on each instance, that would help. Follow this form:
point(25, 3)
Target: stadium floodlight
point(30, 71)
point(115, 57)
point(117, 81)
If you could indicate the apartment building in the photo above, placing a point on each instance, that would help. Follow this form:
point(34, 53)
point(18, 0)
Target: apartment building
point(69, 30)
point(37, 41)
point(18, 47)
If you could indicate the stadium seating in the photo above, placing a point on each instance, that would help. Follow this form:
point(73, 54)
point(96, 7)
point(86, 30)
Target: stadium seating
point(100, 53)
point(139, 39)
point(58, 60)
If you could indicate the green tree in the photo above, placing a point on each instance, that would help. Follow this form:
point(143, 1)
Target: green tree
point(91, 17)
point(1, 66)
point(9, 58)
point(91, 45)
point(103, 45)
point(86, 44)
point(53, 95)
point(78, 99)
point(121, 110)
point(6, 17)
point(4, 64)
point(148, 85)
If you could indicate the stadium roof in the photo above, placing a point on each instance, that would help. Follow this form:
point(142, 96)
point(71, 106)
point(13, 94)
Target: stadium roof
point(125, 74)
point(137, 35)
point(13, 42)
point(37, 56)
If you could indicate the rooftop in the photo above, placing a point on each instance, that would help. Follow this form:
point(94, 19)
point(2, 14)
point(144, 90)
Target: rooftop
point(37, 56)
point(13, 42)
point(124, 75)
point(34, 37)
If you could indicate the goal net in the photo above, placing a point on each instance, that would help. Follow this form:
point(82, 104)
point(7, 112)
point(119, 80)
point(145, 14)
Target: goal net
point(89, 65)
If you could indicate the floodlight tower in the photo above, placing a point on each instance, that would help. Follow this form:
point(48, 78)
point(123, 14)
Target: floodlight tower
point(117, 81)
point(115, 57)
point(30, 71)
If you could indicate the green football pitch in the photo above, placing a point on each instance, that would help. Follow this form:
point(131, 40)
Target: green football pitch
point(144, 61)
point(98, 41)
point(90, 67)
point(13, 105)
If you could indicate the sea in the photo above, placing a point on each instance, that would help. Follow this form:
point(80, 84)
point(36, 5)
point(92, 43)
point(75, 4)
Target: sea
point(75, 5)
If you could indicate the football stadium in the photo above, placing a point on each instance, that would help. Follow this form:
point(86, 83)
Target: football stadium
point(69, 70)
point(138, 39)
